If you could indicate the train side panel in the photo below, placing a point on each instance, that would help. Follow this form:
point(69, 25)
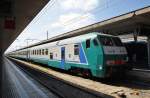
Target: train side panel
point(95, 58)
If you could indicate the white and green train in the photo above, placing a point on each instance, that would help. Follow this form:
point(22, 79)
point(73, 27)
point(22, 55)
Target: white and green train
point(93, 54)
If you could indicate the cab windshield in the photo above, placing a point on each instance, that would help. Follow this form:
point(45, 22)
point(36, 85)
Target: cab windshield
point(109, 41)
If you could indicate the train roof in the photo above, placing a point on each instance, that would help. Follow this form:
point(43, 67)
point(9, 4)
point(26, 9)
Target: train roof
point(81, 38)
point(75, 39)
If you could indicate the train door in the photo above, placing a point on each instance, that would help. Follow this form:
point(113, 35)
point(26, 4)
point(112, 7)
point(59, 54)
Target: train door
point(28, 54)
point(62, 64)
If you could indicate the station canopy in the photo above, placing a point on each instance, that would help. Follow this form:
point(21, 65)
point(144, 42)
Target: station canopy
point(15, 15)
point(136, 21)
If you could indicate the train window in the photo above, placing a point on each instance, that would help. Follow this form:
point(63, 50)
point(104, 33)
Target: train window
point(39, 52)
point(51, 55)
point(95, 42)
point(35, 52)
point(117, 41)
point(106, 41)
point(88, 43)
point(76, 49)
point(42, 51)
point(46, 51)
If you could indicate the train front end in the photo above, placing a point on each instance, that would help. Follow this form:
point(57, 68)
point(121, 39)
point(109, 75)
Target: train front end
point(114, 55)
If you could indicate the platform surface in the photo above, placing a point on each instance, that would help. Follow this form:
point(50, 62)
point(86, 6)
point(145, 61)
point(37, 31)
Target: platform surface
point(17, 84)
point(132, 89)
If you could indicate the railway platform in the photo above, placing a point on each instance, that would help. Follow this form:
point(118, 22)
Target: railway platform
point(18, 84)
point(125, 88)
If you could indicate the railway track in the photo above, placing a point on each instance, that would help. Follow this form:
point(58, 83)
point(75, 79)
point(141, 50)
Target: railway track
point(141, 77)
point(38, 77)
point(99, 89)
point(59, 87)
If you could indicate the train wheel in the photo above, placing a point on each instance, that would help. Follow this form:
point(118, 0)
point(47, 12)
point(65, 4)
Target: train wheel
point(86, 73)
point(81, 72)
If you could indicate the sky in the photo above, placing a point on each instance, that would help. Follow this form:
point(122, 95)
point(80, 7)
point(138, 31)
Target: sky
point(61, 16)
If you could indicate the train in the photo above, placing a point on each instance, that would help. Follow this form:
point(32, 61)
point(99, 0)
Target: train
point(94, 54)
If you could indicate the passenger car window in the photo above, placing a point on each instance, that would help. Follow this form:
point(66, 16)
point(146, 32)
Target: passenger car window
point(42, 51)
point(46, 52)
point(35, 52)
point(76, 49)
point(51, 55)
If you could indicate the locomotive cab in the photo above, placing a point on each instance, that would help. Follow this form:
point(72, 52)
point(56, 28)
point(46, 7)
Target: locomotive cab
point(112, 55)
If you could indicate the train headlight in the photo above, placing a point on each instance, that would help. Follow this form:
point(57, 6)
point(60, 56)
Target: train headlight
point(100, 67)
